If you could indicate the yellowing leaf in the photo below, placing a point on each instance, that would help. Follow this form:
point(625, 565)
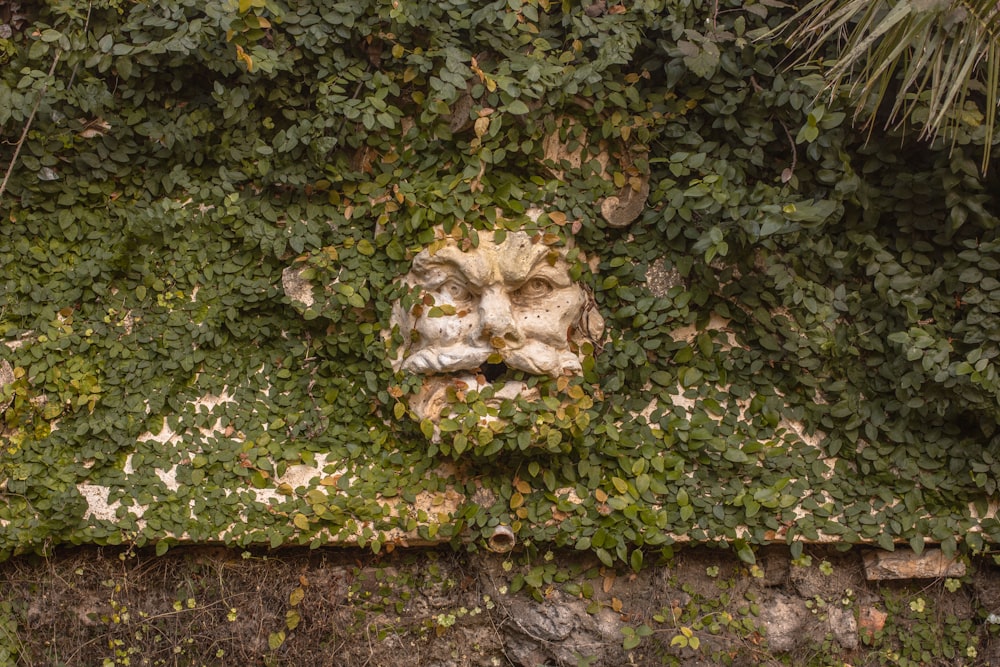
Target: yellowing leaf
point(301, 522)
point(620, 484)
point(296, 596)
point(481, 125)
point(244, 57)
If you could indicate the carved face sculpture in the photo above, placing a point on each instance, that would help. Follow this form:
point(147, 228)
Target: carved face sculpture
point(513, 301)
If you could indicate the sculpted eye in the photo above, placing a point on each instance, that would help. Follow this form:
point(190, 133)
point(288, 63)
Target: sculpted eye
point(535, 288)
point(456, 291)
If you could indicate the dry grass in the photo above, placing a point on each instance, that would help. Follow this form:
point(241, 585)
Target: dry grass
point(205, 606)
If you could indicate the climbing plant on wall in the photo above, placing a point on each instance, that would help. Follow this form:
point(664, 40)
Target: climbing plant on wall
point(801, 319)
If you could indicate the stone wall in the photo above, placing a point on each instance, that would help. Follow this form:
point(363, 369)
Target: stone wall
point(439, 608)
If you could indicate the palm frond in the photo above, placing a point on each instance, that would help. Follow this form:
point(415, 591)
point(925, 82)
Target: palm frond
point(931, 53)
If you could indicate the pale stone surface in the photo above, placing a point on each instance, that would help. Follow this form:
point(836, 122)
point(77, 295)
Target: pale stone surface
point(6, 378)
point(297, 288)
point(843, 626)
point(905, 564)
point(782, 619)
point(789, 622)
point(659, 279)
point(484, 310)
point(97, 501)
point(559, 631)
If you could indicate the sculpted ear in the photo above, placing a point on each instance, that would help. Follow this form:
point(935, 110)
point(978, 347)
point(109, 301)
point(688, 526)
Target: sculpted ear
point(623, 209)
point(589, 326)
point(402, 321)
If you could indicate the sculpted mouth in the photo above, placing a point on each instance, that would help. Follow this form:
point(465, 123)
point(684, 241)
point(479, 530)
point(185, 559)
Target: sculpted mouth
point(533, 358)
point(493, 372)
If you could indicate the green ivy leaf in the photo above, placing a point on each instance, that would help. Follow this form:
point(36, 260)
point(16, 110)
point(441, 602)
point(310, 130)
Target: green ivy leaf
point(517, 107)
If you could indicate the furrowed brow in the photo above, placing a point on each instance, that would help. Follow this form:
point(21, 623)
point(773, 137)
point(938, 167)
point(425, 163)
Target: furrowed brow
point(436, 269)
point(518, 265)
point(542, 261)
point(557, 274)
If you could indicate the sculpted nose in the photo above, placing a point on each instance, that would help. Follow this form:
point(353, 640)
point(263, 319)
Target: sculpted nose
point(496, 316)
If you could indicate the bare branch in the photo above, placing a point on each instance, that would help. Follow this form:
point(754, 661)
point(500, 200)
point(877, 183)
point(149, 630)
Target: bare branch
point(27, 125)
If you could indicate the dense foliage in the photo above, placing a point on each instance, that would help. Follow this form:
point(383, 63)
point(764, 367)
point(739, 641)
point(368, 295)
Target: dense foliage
point(180, 155)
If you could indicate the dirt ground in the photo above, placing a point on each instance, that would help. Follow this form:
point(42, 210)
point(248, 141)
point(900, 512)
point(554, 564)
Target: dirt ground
point(439, 608)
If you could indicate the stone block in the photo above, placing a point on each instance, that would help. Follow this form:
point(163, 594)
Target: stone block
point(782, 619)
point(906, 564)
point(871, 620)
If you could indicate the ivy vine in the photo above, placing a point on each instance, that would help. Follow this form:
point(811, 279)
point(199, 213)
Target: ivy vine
point(821, 363)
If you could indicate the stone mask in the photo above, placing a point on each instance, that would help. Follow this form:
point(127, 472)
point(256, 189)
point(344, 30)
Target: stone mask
point(512, 300)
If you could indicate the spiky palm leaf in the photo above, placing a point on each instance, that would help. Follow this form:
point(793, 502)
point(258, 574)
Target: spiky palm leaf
point(929, 53)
